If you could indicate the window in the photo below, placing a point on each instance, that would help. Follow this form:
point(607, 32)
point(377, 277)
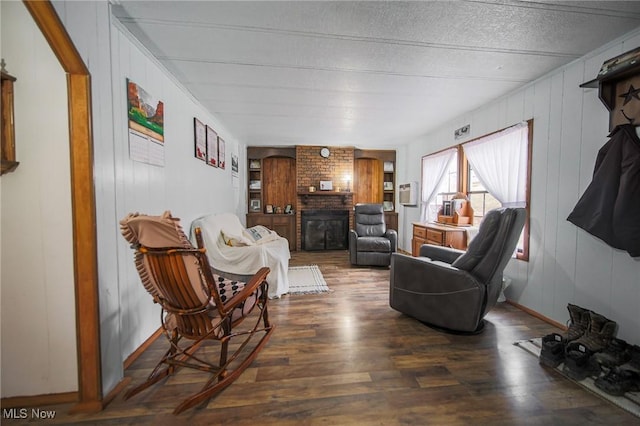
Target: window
point(449, 186)
point(493, 171)
point(481, 200)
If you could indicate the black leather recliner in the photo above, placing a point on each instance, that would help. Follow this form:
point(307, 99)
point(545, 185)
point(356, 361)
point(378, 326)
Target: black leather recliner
point(371, 243)
point(451, 289)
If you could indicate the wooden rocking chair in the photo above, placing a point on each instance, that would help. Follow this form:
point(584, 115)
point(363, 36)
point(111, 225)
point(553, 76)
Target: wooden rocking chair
point(197, 305)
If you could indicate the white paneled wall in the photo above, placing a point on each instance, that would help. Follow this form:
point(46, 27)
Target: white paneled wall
point(185, 186)
point(566, 265)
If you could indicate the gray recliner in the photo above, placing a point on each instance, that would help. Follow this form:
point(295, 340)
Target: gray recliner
point(371, 243)
point(451, 289)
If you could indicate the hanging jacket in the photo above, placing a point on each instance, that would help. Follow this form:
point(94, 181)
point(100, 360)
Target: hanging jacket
point(610, 206)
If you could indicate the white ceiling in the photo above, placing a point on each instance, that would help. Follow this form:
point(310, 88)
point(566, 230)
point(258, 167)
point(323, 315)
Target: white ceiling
point(370, 74)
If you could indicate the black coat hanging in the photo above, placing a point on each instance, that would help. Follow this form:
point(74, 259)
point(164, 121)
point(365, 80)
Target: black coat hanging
point(610, 206)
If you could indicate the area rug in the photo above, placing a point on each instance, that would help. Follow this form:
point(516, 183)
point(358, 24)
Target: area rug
point(629, 402)
point(306, 280)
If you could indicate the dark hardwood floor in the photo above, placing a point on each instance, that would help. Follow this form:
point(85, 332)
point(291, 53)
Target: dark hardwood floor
point(347, 358)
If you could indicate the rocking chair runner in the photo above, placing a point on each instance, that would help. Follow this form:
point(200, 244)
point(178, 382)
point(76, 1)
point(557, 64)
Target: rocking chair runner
point(197, 304)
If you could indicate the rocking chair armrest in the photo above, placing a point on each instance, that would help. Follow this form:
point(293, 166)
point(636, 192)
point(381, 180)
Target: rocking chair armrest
point(250, 287)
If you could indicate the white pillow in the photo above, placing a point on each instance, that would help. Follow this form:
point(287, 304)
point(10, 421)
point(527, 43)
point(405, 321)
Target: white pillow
point(235, 240)
point(260, 234)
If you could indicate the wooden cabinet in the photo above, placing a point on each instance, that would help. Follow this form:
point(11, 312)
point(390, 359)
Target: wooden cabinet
point(374, 178)
point(271, 178)
point(391, 220)
point(271, 188)
point(283, 224)
point(439, 235)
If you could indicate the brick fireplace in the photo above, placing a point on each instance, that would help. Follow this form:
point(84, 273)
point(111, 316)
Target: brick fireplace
point(311, 168)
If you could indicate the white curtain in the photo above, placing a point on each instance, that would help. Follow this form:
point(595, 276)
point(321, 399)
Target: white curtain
point(434, 168)
point(500, 163)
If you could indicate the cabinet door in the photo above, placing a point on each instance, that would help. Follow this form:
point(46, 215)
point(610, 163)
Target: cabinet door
point(285, 226)
point(456, 240)
point(417, 242)
point(253, 220)
point(367, 181)
point(279, 176)
point(391, 220)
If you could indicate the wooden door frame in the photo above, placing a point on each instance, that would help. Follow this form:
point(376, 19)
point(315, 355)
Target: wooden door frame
point(83, 209)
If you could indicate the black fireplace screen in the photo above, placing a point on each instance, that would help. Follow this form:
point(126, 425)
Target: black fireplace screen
point(325, 229)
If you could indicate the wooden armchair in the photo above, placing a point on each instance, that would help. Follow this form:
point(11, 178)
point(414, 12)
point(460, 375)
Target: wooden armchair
point(198, 305)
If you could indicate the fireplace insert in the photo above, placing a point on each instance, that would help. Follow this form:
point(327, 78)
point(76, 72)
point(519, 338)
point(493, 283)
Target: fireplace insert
point(325, 229)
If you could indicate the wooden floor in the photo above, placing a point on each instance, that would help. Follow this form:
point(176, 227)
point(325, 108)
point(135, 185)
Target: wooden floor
point(347, 358)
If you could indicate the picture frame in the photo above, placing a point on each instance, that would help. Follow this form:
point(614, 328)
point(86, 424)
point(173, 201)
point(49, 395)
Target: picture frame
point(212, 147)
point(221, 153)
point(254, 164)
point(234, 165)
point(254, 205)
point(199, 139)
point(388, 186)
point(288, 209)
point(387, 206)
point(388, 166)
point(268, 209)
point(446, 208)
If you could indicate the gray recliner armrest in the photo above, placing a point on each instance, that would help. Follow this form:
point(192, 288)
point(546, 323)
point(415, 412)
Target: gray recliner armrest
point(392, 235)
point(443, 254)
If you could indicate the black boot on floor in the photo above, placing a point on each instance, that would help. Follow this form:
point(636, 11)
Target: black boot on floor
point(578, 365)
point(552, 352)
point(619, 381)
point(616, 353)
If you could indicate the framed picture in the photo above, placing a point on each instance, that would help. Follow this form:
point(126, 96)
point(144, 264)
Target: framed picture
point(446, 208)
point(221, 153)
point(254, 205)
point(268, 208)
point(387, 206)
point(288, 209)
point(212, 147)
point(388, 186)
point(200, 139)
point(388, 166)
point(254, 164)
point(234, 164)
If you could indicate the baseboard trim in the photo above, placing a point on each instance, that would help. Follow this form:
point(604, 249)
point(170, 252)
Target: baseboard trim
point(143, 347)
point(537, 315)
point(39, 400)
point(116, 390)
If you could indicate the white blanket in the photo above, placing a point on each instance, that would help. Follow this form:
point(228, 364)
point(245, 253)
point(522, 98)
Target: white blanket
point(246, 259)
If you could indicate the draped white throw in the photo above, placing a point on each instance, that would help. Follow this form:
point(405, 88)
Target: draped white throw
point(500, 163)
point(434, 168)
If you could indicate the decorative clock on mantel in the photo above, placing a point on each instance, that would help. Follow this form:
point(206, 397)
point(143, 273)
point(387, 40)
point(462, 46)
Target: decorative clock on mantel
point(325, 153)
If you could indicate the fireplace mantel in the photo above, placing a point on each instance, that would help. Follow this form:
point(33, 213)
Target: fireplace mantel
point(304, 195)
